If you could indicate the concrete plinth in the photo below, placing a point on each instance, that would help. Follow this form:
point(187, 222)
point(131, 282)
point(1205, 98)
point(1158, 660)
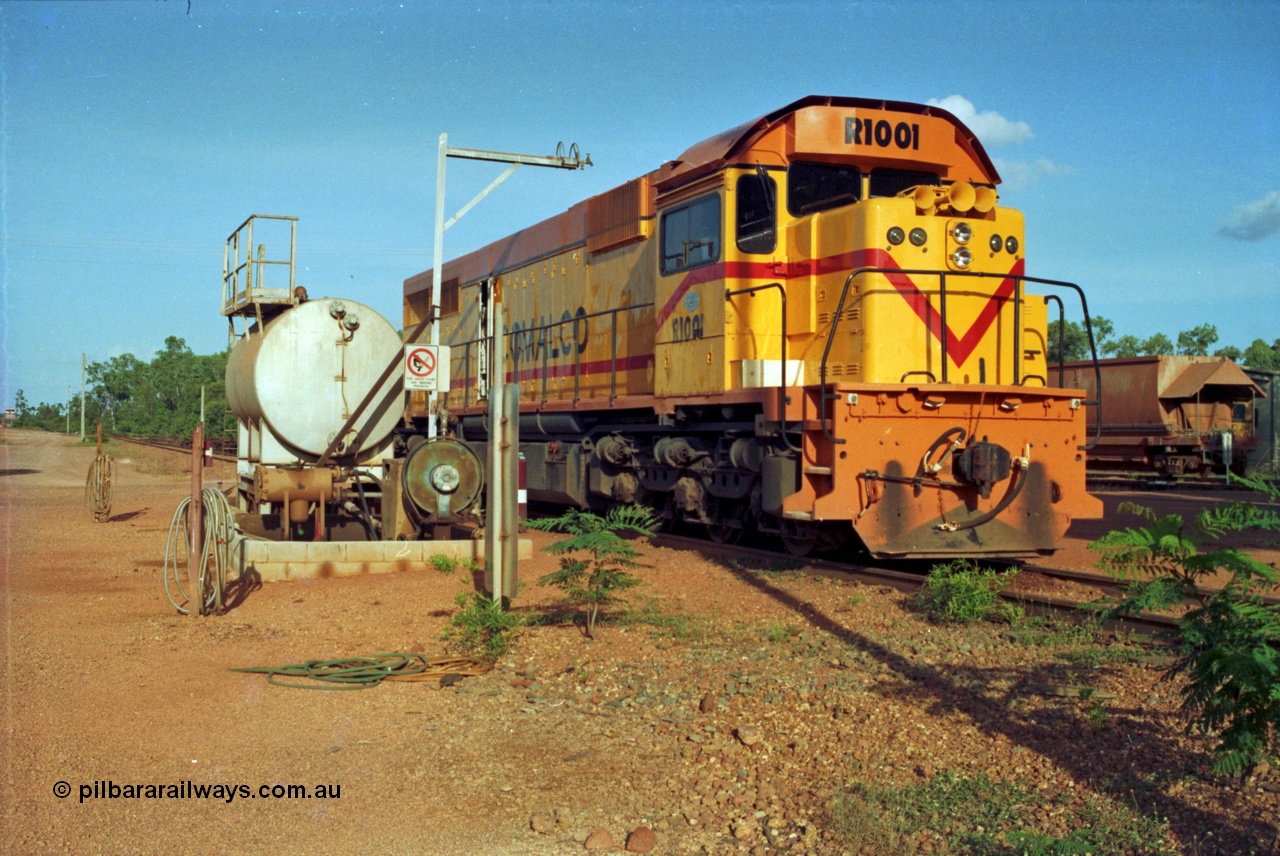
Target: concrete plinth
point(273, 561)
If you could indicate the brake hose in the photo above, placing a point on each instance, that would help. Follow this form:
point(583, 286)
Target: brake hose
point(1015, 488)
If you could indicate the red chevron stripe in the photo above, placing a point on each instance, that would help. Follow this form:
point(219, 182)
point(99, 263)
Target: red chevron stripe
point(959, 348)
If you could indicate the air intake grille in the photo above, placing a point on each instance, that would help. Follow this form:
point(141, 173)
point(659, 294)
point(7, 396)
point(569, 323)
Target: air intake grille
point(620, 216)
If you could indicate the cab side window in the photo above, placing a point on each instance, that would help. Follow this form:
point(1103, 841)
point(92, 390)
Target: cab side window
point(757, 213)
point(691, 235)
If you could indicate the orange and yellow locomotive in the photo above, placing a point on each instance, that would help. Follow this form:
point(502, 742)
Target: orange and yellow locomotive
point(814, 326)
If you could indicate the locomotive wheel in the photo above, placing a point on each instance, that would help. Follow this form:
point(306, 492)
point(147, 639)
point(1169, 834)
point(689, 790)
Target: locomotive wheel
point(724, 533)
point(730, 522)
point(799, 546)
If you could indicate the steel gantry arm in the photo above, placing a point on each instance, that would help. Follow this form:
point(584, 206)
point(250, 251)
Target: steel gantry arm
point(560, 160)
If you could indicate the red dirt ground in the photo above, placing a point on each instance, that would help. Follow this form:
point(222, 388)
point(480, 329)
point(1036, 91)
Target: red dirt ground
point(729, 718)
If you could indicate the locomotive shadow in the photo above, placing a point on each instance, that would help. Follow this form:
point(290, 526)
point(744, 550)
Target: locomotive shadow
point(1130, 761)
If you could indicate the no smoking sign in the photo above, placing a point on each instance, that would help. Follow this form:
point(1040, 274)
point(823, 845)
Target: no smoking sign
point(426, 367)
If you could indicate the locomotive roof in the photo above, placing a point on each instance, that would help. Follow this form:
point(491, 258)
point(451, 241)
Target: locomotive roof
point(726, 148)
point(729, 146)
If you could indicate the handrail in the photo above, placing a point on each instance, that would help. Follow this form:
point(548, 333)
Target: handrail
point(1093, 352)
point(782, 380)
point(1020, 281)
point(1062, 337)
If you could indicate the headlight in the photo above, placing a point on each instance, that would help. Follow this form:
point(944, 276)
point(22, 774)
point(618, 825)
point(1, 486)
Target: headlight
point(961, 257)
point(1011, 244)
point(962, 233)
point(919, 236)
point(997, 243)
point(896, 235)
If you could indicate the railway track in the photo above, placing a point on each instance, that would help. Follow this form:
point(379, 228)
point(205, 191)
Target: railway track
point(168, 444)
point(910, 577)
point(1147, 482)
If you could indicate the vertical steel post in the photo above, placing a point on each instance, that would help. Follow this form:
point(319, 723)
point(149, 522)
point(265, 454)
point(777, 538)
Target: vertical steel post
point(195, 523)
point(495, 508)
point(437, 265)
point(82, 397)
point(509, 453)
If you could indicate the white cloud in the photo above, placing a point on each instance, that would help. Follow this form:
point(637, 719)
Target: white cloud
point(1254, 221)
point(1019, 175)
point(992, 128)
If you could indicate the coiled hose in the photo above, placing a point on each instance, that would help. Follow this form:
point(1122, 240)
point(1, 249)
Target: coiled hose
point(97, 487)
point(360, 673)
point(215, 553)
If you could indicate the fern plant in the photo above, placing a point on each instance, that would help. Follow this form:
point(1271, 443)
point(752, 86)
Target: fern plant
point(597, 578)
point(1229, 638)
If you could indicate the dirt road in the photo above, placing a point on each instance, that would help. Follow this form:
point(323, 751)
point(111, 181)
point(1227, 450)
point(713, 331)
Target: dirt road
point(104, 683)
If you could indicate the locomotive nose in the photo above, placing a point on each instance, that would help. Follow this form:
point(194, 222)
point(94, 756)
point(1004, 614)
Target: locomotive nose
point(982, 464)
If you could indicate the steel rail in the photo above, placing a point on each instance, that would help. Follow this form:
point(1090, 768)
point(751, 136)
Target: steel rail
point(912, 581)
point(169, 447)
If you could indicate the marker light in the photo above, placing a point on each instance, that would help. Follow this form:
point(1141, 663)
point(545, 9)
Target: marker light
point(1011, 244)
point(962, 233)
point(962, 257)
point(919, 236)
point(997, 243)
point(896, 235)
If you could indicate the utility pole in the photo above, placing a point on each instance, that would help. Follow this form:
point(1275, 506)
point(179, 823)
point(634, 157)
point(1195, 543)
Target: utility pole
point(68, 410)
point(82, 364)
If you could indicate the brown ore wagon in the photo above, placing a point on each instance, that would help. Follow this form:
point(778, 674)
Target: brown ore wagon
point(1170, 415)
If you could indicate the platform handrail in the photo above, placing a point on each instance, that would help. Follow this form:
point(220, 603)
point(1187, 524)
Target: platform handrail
point(576, 320)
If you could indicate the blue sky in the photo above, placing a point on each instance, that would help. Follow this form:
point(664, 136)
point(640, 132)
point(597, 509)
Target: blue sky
point(1142, 141)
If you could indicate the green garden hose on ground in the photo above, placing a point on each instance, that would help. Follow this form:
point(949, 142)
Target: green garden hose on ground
point(361, 673)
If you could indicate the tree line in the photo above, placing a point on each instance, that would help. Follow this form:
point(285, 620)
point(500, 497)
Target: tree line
point(160, 398)
point(1071, 342)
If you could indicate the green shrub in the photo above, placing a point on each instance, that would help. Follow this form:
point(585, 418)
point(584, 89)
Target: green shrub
point(775, 631)
point(481, 628)
point(962, 592)
point(443, 563)
point(1229, 641)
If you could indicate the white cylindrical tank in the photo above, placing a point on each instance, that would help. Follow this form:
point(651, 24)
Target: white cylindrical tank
point(307, 371)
